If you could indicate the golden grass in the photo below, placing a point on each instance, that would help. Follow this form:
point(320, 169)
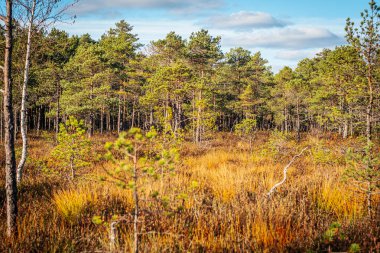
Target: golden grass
point(73, 202)
point(345, 204)
point(225, 208)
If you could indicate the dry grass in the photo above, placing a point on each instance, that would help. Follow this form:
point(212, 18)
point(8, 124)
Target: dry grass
point(224, 205)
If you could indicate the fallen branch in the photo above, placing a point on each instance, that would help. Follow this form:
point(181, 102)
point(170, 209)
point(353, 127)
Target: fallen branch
point(285, 171)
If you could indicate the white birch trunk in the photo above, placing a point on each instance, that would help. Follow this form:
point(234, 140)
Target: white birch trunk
point(23, 123)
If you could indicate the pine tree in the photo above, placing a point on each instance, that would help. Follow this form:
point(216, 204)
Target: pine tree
point(203, 52)
point(119, 45)
point(168, 87)
point(85, 84)
point(282, 95)
point(73, 147)
point(366, 40)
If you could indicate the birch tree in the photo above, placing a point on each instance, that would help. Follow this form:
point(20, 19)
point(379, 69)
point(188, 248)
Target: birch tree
point(37, 14)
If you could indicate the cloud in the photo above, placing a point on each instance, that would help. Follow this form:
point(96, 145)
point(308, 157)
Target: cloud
point(105, 6)
point(244, 20)
point(289, 38)
point(146, 30)
point(295, 55)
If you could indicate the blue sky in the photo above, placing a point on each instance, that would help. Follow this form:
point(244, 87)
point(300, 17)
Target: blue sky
point(285, 31)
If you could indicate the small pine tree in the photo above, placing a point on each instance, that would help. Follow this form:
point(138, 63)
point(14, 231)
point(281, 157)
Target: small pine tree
point(247, 129)
point(73, 146)
point(366, 179)
point(138, 156)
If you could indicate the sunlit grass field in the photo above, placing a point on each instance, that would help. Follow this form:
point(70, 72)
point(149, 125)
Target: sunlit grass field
point(215, 201)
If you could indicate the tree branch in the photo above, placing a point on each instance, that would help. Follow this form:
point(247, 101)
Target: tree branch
point(285, 171)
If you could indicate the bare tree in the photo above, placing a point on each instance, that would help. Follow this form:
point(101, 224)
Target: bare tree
point(37, 14)
point(10, 160)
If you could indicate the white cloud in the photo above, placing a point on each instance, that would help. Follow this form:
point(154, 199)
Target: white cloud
point(280, 42)
point(244, 20)
point(289, 38)
point(296, 55)
point(180, 6)
point(146, 31)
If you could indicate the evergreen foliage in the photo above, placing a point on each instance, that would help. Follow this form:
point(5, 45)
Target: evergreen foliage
point(73, 147)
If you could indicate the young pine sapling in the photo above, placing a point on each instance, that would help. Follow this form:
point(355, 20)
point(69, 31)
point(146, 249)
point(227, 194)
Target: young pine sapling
point(247, 130)
point(73, 146)
point(137, 156)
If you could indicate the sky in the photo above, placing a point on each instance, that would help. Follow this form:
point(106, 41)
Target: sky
point(284, 31)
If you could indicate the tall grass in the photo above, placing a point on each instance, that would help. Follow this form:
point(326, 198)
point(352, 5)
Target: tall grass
point(225, 207)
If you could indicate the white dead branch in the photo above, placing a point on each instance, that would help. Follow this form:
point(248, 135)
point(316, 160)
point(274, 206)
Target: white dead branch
point(285, 171)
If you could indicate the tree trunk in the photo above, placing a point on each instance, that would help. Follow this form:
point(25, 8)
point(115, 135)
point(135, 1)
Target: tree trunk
point(10, 160)
point(108, 121)
point(138, 119)
point(23, 121)
point(199, 113)
point(180, 115)
point(369, 112)
point(133, 114)
point(46, 121)
point(369, 143)
point(1, 123)
point(119, 117)
point(50, 125)
point(286, 119)
point(38, 120)
point(136, 199)
point(33, 115)
point(193, 116)
point(124, 114)
point(15, 130)
point(91, 123)
point(151, 118)
point(57, 112)
point(101, 120)
point(298, 123)
point(345, 129)
point(72, 168)
point(351, 124)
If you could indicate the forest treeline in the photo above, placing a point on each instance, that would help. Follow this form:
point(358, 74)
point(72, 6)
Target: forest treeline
point(115, 83)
